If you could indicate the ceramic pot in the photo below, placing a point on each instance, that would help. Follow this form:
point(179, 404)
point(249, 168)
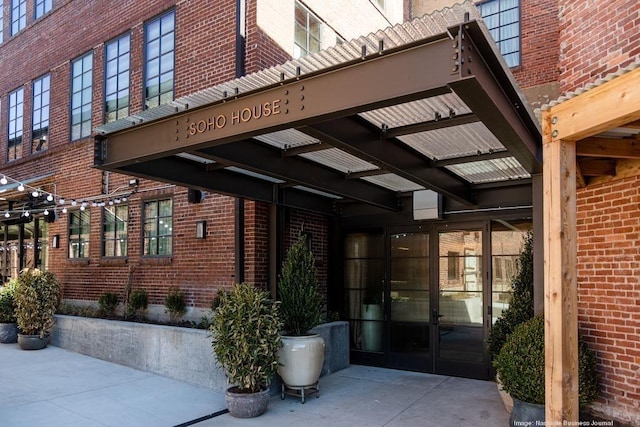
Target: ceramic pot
point(32, 342)
point(301, 359)
point(526, 414)
point(8, 333)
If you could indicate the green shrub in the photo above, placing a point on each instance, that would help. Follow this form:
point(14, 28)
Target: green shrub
point(521, 305)
point(8, 303)
point(36, 297)
point(108, 303)
point(71, 309)
point(301, 302)
point(175, 304)
point(246, 336)
point(138, 303)
point(520, 365)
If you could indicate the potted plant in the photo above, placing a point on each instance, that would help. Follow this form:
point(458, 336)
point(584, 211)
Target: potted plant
point(519, 311)
point(245, 338)
point(521, 367)
point(302, 352)
point(36, 298)
point(8, 326)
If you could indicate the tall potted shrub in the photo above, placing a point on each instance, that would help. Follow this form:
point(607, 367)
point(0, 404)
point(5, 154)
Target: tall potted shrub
point(8, 326)
point(521, 367)
point(302, 353)
point(36, 298)
point(245, 338)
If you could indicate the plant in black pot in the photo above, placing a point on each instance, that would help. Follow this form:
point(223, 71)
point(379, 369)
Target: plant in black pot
point(37, 297)
point(521, 367)
point(302, 352)
point(246, 337)
point(8, 325)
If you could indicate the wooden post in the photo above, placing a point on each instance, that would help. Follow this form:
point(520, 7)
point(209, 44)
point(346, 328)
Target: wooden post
point(560, 283)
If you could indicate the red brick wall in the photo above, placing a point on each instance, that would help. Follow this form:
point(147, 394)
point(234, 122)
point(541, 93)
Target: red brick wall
point(597, 37)
point(609, 289)
point(539, 43)
point(261, 51)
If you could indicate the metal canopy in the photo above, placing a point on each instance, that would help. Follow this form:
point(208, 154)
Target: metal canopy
point(428, 104)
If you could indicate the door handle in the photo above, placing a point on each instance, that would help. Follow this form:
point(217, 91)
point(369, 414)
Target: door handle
point(435, 316)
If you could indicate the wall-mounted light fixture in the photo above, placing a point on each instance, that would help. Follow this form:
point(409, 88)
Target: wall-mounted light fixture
point(55, 241)
point(201, 229)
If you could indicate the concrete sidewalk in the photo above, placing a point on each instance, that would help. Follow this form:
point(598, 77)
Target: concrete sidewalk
point(55, 387)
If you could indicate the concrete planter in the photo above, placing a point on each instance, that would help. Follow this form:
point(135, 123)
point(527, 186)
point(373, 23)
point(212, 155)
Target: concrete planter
point(180, 353)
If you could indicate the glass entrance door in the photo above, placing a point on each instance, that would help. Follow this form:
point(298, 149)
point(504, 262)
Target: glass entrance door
point(409, 311)
point(459, 315)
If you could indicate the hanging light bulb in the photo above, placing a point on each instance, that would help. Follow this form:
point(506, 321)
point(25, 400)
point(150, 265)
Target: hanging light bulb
point(117, 200)
point(84, 204)
point(35, 193)
point(61, 200)
point(46, 212)
point(73, 202)
point(64, 210)
point(124, 199)
point(110, 202)
point(26, 213)
point(50, 197)
point(6, 214)
point(3, 180)
point(94, 204)
point(20, 187)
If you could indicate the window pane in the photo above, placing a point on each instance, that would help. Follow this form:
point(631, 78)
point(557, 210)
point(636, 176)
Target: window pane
point(503, 20)
point(159, 48)
point(81, 98)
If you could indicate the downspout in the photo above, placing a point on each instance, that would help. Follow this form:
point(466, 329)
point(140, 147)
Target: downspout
point(239, 207)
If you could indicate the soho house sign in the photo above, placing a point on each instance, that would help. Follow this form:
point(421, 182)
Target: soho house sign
point(235, 117)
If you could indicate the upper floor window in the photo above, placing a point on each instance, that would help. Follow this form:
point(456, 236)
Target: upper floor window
point(18, 15)
point(116, 77)
point(159, 60)
point(114, 231)
point(1, 23)
point(158, 227)
point(42, 7)
point(307, 32)
point(79, 226)
point(16, 114)
point(81, 87)
point(503, 19)
point(40, 114)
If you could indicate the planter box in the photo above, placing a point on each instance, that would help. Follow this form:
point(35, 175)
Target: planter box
point(180, 353)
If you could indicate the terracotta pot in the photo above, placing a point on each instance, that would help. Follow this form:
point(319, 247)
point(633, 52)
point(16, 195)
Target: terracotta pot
point(301, 359)
point(32, 342)
point(8, 333)
point(246, 405)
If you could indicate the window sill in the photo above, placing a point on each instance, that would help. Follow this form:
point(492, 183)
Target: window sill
point(108, 261)
point(78, 261)
point(156, 260)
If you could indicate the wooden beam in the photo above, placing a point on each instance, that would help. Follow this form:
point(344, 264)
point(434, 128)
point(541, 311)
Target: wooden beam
point(580, 181)
point(560, 279)
point(609, 147)
point(597, 167)
point(613, 104)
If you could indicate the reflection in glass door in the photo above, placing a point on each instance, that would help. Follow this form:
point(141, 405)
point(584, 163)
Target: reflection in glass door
point(460, 323)
point(409, 297)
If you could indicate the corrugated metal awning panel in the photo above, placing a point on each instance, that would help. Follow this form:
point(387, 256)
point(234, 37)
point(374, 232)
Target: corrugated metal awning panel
point(288, 138)
point(393, 182)
point(339, 160)
point(486, 171)
point(418, 111)
point(452, 142)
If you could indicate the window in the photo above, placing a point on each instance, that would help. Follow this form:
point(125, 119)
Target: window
point(18, 15)
point(114, 231)
point(40, 114)
point(79, 224)
point(42, 7)
point(116, 77)
point(16, 113)
point(1, 23)
point(503, 19)
point(307, 32)
point(81, 86)
point(158, 227)
point(453, 265)
point(159, 47)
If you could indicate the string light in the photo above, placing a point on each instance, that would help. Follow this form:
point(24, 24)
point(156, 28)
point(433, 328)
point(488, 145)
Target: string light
point(20, 187)
point(3, 180)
